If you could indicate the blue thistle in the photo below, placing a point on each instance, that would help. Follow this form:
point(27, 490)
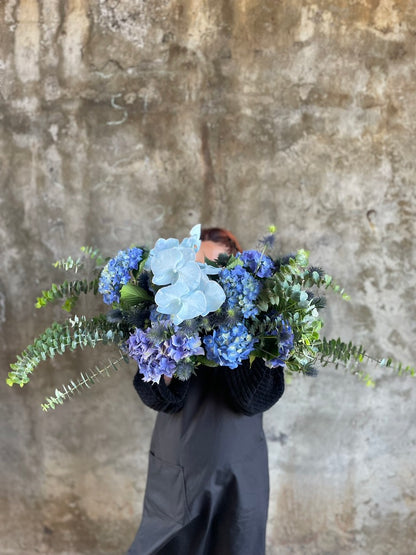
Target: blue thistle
point(268, 241)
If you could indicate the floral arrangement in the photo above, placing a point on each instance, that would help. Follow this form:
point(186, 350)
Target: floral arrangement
point(170, 314)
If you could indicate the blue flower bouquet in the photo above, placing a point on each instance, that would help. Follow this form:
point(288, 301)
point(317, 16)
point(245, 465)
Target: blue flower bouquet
point(171, 314)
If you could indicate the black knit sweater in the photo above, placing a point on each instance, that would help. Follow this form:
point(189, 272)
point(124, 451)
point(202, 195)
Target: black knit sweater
point(250, 390)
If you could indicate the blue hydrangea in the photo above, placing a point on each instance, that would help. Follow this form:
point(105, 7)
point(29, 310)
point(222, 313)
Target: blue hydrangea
point(286, 343)
point(241, 290)
point(257, 263)
point(157, 357)
point(229, 346)
point(116, 273)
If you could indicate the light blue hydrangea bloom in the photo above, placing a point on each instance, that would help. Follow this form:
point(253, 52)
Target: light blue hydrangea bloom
point(187, 291)
point(168, 256)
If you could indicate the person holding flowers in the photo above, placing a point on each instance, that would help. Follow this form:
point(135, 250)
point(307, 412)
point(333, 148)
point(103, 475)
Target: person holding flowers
point(207, 488)
point(211, 328)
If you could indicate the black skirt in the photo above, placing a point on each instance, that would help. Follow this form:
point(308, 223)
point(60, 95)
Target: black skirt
point(207, 488)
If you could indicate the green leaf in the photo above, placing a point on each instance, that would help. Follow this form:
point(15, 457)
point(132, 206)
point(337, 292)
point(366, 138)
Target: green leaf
point(233, 262)
point(262, 306)
point(327, 280)
point(206, 362)
point(132, 295)
point(302, 258)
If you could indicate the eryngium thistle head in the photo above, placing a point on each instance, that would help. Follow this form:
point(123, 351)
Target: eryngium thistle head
point(190, 327)
point(284, 260)
point(143, 281)
point(268, 241)
point(319, 302)
point(316, 269)
point(227, 317)
point(311, 371)
point(184, 371)
point(114, 316)
point(138, 317)
point(223, 259)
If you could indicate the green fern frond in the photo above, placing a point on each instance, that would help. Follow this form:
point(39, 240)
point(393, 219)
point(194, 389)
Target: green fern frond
point(71, 290)
point(77, 332)
point(86, 379)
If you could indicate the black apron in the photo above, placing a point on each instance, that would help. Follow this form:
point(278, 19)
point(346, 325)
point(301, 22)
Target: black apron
point(207, 488)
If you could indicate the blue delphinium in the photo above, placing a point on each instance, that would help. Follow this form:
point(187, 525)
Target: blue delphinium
point(257, 263)
point(241, 290)
point(286, 343)
point(116, 273)
point(229, 346)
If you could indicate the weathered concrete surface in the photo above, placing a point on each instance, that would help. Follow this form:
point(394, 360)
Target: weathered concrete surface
point(125, 121)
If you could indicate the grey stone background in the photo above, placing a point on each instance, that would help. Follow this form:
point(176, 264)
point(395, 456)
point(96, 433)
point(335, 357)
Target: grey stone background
point(124, 121)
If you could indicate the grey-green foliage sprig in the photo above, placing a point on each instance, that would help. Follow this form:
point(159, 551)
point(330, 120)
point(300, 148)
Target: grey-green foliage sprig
point(337, 352)
point(70, 290)
point(85, 380)
point(75, 332)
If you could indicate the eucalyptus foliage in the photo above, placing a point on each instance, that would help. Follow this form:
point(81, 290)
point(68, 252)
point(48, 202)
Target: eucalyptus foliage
point(86, 380)
point(73, 333)
point(72, 289)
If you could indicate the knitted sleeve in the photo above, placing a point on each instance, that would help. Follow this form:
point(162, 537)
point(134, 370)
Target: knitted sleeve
point(254, 389)
point(159, 396)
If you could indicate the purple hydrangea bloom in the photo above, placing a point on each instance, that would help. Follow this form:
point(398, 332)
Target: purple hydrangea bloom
point(257, 263)
point(229, 346)
point(180, 346)
point(157, 357)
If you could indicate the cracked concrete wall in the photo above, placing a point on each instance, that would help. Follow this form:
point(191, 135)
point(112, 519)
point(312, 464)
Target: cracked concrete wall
point(125, 121)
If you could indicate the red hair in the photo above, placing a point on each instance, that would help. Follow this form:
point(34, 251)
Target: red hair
point(222, 236)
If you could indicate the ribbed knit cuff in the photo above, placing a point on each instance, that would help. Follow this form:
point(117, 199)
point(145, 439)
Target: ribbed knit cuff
point(246, 379)
point(175, 391)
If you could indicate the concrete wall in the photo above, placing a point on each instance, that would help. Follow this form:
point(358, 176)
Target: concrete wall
point(125, 121)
